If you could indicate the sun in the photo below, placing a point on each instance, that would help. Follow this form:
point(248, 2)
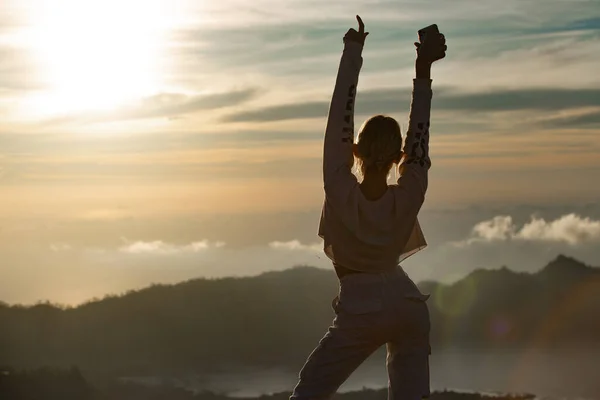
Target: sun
point(97, 54)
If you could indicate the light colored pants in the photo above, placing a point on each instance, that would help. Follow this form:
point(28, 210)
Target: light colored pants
point(372, 310)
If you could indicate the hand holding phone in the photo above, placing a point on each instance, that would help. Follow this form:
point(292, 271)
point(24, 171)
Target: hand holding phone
point(432, 44)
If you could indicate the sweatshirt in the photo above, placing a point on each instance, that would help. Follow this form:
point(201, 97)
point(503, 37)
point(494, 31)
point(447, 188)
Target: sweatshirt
point(361, 234)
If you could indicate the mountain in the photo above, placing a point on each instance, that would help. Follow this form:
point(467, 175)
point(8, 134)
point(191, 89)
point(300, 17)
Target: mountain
point(552, 307)
point(275, 319)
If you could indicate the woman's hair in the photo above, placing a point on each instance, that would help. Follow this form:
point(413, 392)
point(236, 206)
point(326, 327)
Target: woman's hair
point(379, 143)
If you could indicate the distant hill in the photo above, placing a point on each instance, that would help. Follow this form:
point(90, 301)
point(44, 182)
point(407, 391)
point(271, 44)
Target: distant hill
point(275, 319)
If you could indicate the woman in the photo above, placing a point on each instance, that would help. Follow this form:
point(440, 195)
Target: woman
point(368, 228)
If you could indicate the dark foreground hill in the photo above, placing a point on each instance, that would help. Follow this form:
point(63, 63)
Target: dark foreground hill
point(54, 384)
point(275, 319)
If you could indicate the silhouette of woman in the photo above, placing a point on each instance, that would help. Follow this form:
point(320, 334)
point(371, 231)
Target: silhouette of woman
point(368, 229)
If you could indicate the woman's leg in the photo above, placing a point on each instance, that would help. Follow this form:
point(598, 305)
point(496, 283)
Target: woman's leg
point(357, 331)
point(338, 354)
point(408, 355)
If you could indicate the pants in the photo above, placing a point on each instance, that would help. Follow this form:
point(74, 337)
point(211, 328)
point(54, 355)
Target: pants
point(372, 310)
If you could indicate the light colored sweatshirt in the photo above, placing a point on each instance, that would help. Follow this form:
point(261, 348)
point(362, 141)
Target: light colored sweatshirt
point(361, 234)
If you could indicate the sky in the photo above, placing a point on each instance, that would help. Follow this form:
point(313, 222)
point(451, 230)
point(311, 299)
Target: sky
point(154, 141)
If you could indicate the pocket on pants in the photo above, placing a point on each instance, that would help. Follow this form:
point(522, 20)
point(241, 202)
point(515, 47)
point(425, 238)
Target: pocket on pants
point(360, 294)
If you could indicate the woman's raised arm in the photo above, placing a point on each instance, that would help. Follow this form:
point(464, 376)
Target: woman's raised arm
point(414, 169)
point(339, 132)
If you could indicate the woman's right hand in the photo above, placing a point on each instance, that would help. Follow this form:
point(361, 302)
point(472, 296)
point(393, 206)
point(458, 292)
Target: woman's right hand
point(432, 49)
point(356, 36)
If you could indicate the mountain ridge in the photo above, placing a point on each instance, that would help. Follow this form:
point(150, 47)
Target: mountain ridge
point(562, 264)
point(207, 324)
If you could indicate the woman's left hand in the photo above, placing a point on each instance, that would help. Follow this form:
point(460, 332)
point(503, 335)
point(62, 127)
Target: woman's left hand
point(358, 37)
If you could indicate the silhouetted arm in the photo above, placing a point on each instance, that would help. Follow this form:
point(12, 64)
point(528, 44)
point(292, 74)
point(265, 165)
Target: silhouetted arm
point(339, 132)
point(412, 184)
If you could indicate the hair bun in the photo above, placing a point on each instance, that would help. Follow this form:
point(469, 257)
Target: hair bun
point(379, 142)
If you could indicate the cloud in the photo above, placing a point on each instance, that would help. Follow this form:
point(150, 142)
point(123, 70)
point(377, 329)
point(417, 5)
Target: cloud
point(104, 214)
point(446, 98)
point(58, 247)
point(570, 229)
point(169, 105)
point(589, 120)
point(544, 99)
point(303, 110)
point(295, 245)
point(584, 24)
point(97, 262)
point(158, 247)
point(498, 228)
point(66, 145)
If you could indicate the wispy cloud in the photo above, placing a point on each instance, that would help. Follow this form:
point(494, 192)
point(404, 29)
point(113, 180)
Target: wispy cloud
point(104, 214)
point(586, 120)
point(163, 105)
point(387, 100)
point(306, 110)
point(59, 247)
point(546, 99)
point(296, 245)
point(592, 24)
point(158, 247)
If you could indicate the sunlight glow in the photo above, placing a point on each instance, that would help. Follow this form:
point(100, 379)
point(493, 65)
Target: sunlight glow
point(97, 54)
